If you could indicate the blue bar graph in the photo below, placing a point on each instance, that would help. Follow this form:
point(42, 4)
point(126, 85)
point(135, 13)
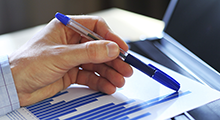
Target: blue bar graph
point(112, 111)
point(15, 116)
point(103, 110)
point(44, 110)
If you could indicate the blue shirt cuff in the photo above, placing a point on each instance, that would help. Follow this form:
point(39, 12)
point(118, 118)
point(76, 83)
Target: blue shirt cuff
point(8, 95)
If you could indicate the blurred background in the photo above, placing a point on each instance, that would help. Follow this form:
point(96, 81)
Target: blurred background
point(20, 14)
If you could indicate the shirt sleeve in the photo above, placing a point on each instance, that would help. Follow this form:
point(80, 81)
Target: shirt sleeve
point(8, 95)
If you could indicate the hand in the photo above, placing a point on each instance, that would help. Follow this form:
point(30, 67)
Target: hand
point(57, 57)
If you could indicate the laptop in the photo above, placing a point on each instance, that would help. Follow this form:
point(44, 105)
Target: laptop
point(189, 45)
point(189, 41)
point(195, 24)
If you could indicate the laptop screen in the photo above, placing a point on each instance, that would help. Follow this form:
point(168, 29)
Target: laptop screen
point(196, 25)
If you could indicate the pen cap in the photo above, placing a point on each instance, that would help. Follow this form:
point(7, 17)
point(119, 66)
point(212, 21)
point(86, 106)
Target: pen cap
point(62, 18)
point(165, 79)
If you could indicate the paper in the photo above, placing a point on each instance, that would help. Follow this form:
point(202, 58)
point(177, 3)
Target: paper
point(140, 98)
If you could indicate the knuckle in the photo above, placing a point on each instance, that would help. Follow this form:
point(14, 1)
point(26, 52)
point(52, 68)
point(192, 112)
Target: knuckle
point(91, 50)
point(100, 19)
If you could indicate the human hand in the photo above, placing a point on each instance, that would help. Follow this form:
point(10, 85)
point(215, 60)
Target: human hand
point(57, 57)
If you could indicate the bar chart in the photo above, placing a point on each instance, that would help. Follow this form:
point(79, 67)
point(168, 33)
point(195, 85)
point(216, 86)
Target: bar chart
point(45, 110)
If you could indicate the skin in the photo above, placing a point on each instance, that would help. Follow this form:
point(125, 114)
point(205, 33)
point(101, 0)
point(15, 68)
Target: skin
point(57, 57)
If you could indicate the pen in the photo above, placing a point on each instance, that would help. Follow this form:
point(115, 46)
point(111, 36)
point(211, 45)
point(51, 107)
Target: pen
point(148, 69)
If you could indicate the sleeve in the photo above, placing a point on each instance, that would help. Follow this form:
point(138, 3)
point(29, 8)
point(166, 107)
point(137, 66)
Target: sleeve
point(8, 95)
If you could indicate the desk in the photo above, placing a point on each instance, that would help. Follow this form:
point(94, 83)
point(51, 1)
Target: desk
point(126, 24)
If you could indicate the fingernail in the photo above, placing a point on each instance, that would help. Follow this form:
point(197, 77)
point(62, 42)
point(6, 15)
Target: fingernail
point(112, 49)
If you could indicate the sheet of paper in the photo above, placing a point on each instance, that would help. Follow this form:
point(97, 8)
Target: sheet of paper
point(140, 98)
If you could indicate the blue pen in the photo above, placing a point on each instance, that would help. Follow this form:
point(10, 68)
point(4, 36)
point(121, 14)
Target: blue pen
point(149, 69)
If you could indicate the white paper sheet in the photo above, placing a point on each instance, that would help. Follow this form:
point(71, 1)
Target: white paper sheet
point(140, 98)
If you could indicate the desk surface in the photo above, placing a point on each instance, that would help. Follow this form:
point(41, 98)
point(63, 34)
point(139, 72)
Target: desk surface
point(126, 24)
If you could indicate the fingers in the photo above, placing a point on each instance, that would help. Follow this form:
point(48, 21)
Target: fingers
point(90, 52)
point(95, 82)
point(106, 72)
point(122, 67)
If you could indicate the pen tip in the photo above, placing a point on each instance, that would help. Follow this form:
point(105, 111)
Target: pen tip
point(62, 18)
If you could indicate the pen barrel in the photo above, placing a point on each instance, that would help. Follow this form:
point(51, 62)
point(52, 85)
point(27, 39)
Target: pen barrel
point(82, 30)
point(130, 59)
point(147, 69)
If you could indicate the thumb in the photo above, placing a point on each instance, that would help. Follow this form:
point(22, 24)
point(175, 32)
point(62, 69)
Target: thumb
point(94, 52)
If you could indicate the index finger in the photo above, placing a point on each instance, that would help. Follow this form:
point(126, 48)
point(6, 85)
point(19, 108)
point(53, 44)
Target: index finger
point(99, 26)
